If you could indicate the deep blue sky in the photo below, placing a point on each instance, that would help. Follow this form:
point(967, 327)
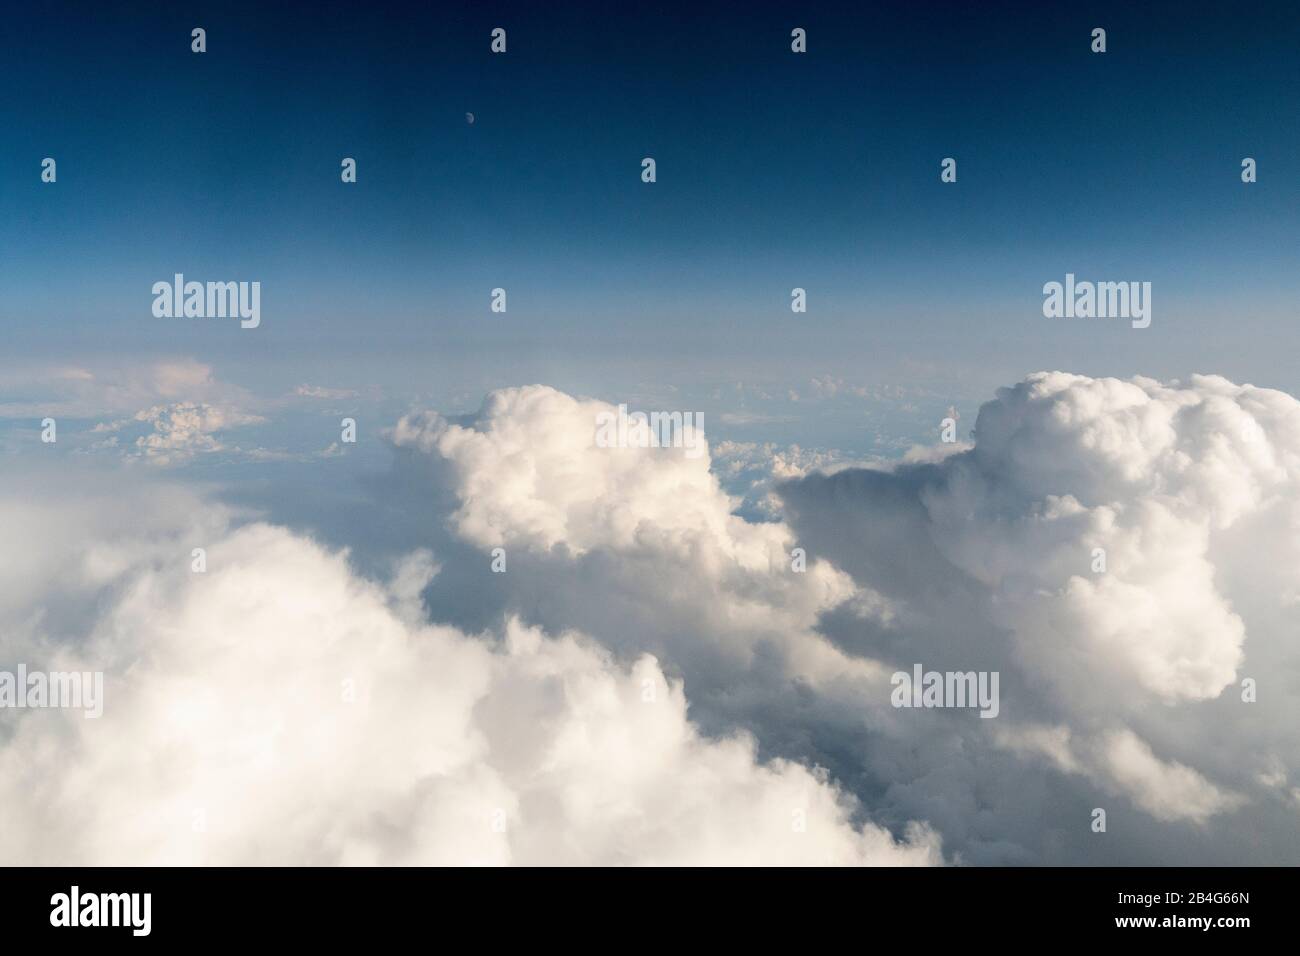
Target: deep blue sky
point(775, 170)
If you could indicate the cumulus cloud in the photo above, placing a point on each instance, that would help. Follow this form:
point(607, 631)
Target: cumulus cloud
point(649, 529)
point(280, 709)
point(184, 429)
point(657, 679)
point(1093, 546)
point(1118, 684)
point(1142, 474)
point(165, 412)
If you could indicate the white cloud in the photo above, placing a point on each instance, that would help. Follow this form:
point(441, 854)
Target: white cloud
point(981, 556)
point(529, 476)
point(73, 391)
point(1166, 790)
point(629, 571)
point(184, 429)
point(228, 736)
point(995, 552)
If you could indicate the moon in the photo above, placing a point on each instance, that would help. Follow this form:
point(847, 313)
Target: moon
point(469, 118)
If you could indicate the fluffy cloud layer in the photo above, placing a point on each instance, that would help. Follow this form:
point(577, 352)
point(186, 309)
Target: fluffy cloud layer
point(1122, 553)
point(655, 679)
point(279, 709)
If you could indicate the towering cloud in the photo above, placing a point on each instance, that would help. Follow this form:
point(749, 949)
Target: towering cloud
point(1122, 552)
point(1125, 552)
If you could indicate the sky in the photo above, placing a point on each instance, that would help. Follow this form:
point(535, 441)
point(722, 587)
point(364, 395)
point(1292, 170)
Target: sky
point(1174, 448)
point(774, 171)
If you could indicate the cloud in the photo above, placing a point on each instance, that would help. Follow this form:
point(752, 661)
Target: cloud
point(755, 468)
point(181, 404)
point(1119, 684)
point(280, 709)
point(184, 429)
point(1187, 491)
point(654, 679)
point(1065, 465)
point(647, 530)
point(73, 391)
point(1166, 790)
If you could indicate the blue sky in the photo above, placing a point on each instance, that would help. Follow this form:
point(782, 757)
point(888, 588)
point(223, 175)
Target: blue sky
point(775, 170)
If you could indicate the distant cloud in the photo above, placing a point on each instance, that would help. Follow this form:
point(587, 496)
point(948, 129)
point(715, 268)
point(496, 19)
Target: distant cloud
point(181, 430)
point(111, 391)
